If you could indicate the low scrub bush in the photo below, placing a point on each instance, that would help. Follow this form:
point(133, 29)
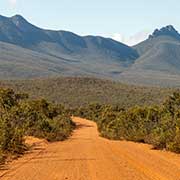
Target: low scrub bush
point(20, 117)
point(157, 125)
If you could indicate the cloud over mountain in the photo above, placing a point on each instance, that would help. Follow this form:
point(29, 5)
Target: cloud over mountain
point(131, 40)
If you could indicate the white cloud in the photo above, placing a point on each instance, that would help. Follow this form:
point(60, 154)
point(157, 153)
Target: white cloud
point(12, 2)
point(132, 40)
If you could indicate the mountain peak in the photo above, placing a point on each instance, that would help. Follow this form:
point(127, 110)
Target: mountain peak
point(170, 28)
point(18, 20)
point(165, 31)
point(21, 23)
point(17, 16)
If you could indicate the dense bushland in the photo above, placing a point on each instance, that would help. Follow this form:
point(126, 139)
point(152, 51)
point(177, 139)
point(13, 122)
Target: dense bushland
point(73, 92)
point(20, 117)
point(157, 125)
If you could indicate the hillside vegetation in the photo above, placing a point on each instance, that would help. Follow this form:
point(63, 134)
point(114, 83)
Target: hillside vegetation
point(75, 92)
point(20, 117)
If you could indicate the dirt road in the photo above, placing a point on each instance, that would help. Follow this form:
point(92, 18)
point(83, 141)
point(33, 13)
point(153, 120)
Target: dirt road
point(86, 156)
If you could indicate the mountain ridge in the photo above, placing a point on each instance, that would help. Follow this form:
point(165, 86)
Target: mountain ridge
point(38, 52)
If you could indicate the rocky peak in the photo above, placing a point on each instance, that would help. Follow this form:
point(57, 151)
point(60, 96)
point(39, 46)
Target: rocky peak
point(18, 20)
point(166, 31)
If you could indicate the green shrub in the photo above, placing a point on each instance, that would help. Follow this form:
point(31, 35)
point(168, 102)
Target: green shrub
point(156, 125)
point(11, 137)
point(21, 117)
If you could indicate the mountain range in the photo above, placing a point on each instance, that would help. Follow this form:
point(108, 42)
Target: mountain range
point(27, 51)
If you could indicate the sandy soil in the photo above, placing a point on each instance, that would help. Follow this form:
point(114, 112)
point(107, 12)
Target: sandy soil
point(86, 156)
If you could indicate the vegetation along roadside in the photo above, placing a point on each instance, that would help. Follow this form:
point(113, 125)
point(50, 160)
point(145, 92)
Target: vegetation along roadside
point(20, 117)
point(158, 125)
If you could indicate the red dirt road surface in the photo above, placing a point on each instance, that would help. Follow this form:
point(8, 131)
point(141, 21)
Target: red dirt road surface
point(86, 156)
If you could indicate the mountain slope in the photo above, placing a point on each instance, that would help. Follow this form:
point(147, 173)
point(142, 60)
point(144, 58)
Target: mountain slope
point(159, 59)
point(160, 52)
point(86, 55)
point(27, 51)
point(17, 62)
point(163, 35)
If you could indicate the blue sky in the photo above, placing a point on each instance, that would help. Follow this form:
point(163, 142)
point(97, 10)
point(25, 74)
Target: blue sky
point(125, 20)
